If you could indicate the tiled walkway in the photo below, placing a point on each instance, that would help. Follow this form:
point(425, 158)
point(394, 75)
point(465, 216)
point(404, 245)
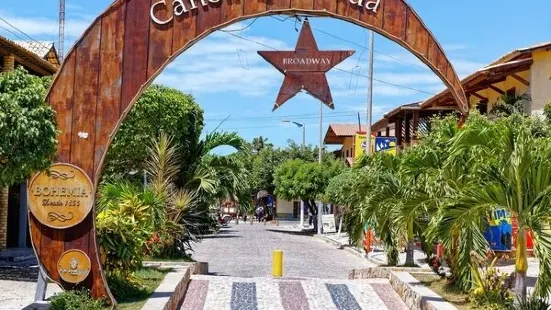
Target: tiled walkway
point(245, 250)
point(226, 293)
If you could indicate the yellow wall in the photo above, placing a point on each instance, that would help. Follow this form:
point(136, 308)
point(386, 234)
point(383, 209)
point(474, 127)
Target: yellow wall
point(509, 83)
point(540, 80)
point(540, 84)
point(348, 144)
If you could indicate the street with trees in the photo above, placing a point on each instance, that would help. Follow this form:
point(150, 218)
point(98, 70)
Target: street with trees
point(444, 188)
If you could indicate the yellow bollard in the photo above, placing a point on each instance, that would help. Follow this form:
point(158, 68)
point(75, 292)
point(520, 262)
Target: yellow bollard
point(277, 264)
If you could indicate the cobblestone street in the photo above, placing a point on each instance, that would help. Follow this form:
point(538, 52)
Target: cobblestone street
point(245, 250)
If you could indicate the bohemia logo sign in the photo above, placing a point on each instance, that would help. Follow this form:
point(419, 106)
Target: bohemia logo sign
point(61, 198)
point(183, 6)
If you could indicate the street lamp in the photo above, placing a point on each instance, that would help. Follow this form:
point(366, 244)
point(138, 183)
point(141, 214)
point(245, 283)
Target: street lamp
point(299, 125)
point(303, 126)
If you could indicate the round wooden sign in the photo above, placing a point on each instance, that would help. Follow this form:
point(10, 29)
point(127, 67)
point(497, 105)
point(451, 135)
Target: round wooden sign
point(63, 198)
point(74, 266)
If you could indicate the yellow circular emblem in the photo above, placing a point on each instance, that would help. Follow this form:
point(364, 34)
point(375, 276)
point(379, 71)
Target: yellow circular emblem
point(74, 266)
point(63, 198)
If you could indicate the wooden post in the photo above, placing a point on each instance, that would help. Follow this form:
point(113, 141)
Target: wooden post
point(415, 124)
point(408, 129)
point(399, 136)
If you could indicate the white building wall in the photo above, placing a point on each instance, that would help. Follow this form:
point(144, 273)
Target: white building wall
point(284, 208)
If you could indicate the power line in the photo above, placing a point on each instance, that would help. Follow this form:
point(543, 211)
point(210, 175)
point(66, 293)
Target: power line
point(28, 36)
point(358, 45)
point(13, 33)
point(277, 117)
point(337, 68)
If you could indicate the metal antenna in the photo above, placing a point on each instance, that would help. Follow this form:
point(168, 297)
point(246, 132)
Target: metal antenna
point(61, 41)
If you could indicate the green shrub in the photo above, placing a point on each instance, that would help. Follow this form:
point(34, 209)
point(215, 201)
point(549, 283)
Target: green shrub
point(75, 300)
point(547, 111)
point(489, 292)
point(124, 224)
point(533, 304)
point(490, 300)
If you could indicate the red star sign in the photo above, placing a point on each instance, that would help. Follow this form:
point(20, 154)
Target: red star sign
point(305, 68)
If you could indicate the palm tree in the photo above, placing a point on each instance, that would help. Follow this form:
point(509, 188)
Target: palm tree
point(202, 174)
point(511, 104)
point(519, 180)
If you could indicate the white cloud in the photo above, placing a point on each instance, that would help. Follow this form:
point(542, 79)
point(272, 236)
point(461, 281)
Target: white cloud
point(40, 26)
point(223, 63)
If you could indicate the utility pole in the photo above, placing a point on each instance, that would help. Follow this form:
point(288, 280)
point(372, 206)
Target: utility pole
point(370, 94)
point(320, 152)
point(61, 42)
point(320, 157)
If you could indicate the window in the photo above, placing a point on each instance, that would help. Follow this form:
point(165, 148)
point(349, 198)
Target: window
point(482, 107)
point(511, 92)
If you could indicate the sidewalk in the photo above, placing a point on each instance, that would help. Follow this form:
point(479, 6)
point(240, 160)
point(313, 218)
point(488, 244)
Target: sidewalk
point(377, 255)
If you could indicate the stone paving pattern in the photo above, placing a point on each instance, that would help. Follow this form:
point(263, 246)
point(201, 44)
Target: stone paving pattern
point(246, 250)
point(231, 293)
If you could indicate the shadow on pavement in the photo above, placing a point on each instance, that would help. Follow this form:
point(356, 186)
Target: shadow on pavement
point(26, 274)
point(227, 231)
point(220, 236)
point(292, 232)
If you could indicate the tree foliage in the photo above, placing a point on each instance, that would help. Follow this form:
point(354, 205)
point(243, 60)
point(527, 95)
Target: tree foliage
point(443, 188)
point(27, 126)
point(159, 109)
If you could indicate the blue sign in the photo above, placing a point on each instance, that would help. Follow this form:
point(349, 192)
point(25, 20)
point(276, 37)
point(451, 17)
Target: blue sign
point(386, 144)
point(499, 230)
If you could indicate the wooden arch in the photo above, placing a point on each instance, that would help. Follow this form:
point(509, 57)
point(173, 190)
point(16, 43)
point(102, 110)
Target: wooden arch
point(124, 50)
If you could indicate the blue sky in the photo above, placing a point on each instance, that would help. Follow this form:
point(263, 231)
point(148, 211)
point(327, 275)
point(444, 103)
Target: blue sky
point(229, 79)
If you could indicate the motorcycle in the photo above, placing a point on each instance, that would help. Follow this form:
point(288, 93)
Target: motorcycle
point(224, 220)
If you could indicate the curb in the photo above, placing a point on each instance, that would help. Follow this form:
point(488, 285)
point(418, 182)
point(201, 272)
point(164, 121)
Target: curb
point(349, 249)
point(414, 294)
point(171, 291)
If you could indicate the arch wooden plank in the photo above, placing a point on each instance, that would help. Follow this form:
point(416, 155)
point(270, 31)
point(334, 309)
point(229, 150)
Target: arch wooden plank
point(417, 36)
point(136, 48)
point(342, 7)
point(211, 16)
point(184, 31)
point(124, 49)
point(81, 237)
point(252, 7)
point(85, 100)
point(232, 9)
point(278, 4)
point(109, 96)
point(394, 18)
point(160, 45)
point(371, 18)
point(51, 244)
point(303, 4)
point(326, 5)
point(62, 101)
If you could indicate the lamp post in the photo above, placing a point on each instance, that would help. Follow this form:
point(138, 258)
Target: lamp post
point(303, 126)
point(299, 125)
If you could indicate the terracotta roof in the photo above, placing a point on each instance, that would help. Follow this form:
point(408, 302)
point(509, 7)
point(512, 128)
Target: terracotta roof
point(41, 48)
point(487, 75)
point(27, 55)
point(514, 61)
point(518, 52)
point(346, 130)
point(337, 132)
